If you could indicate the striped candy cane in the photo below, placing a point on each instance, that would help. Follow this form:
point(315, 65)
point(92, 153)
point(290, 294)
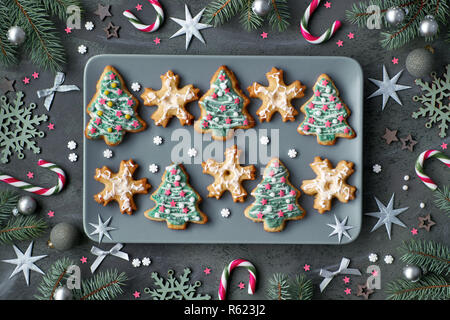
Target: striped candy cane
point(304, 26)
point(226, 274)
point(147, 27)
point(38, 190)
point(419, 166)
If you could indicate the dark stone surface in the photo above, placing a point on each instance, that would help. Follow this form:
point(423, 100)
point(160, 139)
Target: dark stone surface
point(67, 114)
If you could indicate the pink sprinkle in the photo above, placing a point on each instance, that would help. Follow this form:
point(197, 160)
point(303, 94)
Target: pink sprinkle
point(281, 193)
point(317, 93)
point(271, 173)
point(173, 203)
point(227, 120)
point(112, 76)
point(305, 128)
point(346, 130)
point(214, 95)
point(292, 192)
point(311, 120)
point(130, 102)
point(167, 192)
point(311, 105)
point(93, 130)
point(245, 122)
point(161, 209)
point(283, 179)
point(135, 124)
point(102, 101)
point(26, 80)
point(177, 183)
point(332, 98)
point(98, 121)
point(185, 210)
point(340, 118)
point(118, 127)
point(222, 77)
point(290, 207)
point(237, 101)
point(208, 117)
point(182, 193)
point(264, 202)
point(259, 215)
point(280, 213)
point(339, 106)
point(324, 82)
point(222, 108)
point(276, 164)
point(119, 91)
point(325, 107)
point(307, 267)
point(119, 113)
point(328, 124)
point(227, 90)
point(205, 124)
point(173, 171)
point(267, 186)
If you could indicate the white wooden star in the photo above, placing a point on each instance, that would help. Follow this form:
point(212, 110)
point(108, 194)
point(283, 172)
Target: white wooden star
point(190, 26)
point(102, 229)
point(340, 228)
point(387, 215)
point(25, 262)
point(388, 88)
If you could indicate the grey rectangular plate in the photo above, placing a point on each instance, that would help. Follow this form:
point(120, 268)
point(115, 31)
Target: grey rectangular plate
point(198, 70)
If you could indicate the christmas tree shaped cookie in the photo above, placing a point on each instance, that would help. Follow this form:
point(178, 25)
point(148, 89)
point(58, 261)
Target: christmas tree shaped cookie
point(120, 186)
point(228, 175)
point(276, 199)
point(171, 100)
point(326, 114)
point(224, 107)
point(277, 96)
point(176, 201)
point(113, 110)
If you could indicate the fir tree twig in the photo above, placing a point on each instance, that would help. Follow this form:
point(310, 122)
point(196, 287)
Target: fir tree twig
point(103, 286)
point(8, 52)
point(248, 18)
point(429, 255)
point(429, 287)
point(53, 279)
point(22, 228)
point(279, 15)
point(59, 7)
point(301, 288)
point(442, 199)
point(8, 201)
point(280, 288)
point(220, 11)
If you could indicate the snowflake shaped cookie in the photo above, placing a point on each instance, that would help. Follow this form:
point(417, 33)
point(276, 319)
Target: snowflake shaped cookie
point(292, 153)
point(71, 145)
point(264, 140)
point(146, 261)
point(171, 100)
point(225, 212)
point(330, 183)
point(135, 86)
point(373, 257)
point(82, 49)
point(136, 263)
point(157, 140)
point(388, 259)
point(192, 152)
point(153, 168)
point(89, 26)
point(376, 168)
point(228, 175)
point(73, 157)
point(277, 96)
point(107, 153)
point(435, 100)
point(120, 186)
point(18, 127)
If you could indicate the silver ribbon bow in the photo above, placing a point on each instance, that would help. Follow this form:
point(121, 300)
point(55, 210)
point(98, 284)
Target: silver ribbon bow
point(114, 251)
point(57, 87)
point(328, 275)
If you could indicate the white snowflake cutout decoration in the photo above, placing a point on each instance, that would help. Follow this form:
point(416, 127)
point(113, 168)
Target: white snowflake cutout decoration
point(136, 263)
point(373, 257)
point(388, 259)
point(157, 140)
point(225, 212)
point(82, 49)
point(192, 152)
point(73, 157)
point(89, 26)
point(71, 145)
point(264, 140)
point(376, 168)
point(292, 153)
point(107, 153)
point(153, 168)
point(146, 261)
point(135, 86)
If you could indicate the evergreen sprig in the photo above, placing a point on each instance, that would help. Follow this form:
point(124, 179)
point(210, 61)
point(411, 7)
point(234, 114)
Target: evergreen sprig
point(53, 279)
point(8, 52)
point(281, 288)
point(442, 199)
point(429, 287)
point(219, 12)
point(103, 286)
point(22, 228)
point(429, 255)
point(403, 33)
point(58, 8)
point(8, 201)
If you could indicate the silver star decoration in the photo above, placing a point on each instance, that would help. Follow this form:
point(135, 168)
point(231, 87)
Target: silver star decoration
point(388, 88)
point(102, 229)
point(387, 215)
point(190, 26)
point(340, 228)
point(25, 262)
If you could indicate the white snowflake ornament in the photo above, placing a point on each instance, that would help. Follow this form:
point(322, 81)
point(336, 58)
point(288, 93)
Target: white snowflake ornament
point(153, 168)
point(107, 153)
point(157, 140)
point(89, 26)
point(388, 259)
point(82, 49)
point(72, 145)
point(225, 212)
point(73, 157)
point(135, 86)
point(136, 263)
point(192, 152)
point(146, 261)
point(264, 140)
point(373, 257)
point(376, 168)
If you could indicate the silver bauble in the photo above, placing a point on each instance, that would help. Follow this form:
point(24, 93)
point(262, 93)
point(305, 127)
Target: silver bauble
point(419, 62)
point(395, 15)
point(62, 293)
point(16, 35)
point(412, 273)
point(63, 236)
point(428, 27)
point(26, 205)
point(261, 7)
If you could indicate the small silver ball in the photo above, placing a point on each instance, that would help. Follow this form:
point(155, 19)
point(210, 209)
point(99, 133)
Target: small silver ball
point(428, 27)
point(26, 205)
point(419, 62)
point(63, 293)
point(395, 15)
point(412, 273)
point(16, 35)
point(261, 7)
point(64, 236)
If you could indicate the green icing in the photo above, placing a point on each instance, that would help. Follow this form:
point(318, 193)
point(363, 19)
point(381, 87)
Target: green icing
point(174, 212)
point(114, 116)
point(287, 203)
point(217, 122)
point(321, 116)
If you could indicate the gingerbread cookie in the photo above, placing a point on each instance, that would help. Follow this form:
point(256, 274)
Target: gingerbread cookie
point(223, 107)
point(113, 110)
point(171, 100)
point(120, 186)
point(228, 175)
point(330, 183)
point(277, 96)
point(276, 199)
point(326, 114)
point(176, 201)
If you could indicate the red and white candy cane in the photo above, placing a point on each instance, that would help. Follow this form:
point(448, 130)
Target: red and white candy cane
point(147, 27)
point(25, 186)
point(304, 26)
point(226, 274)
point(419, 166)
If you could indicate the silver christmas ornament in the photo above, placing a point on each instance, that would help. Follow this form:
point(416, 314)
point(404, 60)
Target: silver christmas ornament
point(261, 7)
point(16, 35)
point(395, 15)
point(26, 205)
point(419, 62)
point(62, 293)
point(428, 27)
point(63, 236)
point(412, 273)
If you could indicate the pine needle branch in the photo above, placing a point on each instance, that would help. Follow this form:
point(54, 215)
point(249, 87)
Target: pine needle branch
point(278, 287)
point(429, 255)
point(249, 19)
point(103, 286)
point(301, 288)
point(8, 52)
point(22, 228)
point(220, 11)
point(8, 201)
point(53, 279)
point(429, 287)
point(442, 199)
point(58, 8)
point(279, 15)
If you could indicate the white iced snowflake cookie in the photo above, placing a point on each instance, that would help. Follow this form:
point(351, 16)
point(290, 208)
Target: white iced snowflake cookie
point(146, 261)
point(73, 157)
point(89, 25)
point(153, 168)
point(225, 212)
point(376, 168)
point(135, 86)
point(264, 140)
point(388, 259)
point(71, 145)
point(292, 153)
point(373, 257)
point(136, 263)
point(82, 49)
point(157, 140)
point(107, 153)
point(192, 152)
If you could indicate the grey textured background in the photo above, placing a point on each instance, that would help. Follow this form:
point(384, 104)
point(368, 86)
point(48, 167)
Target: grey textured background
point(67, 114)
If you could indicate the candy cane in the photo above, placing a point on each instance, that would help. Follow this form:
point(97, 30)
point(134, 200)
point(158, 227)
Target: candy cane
point(38, 190)
point(146, 27)
point(226, 274)
point(304, 24)
point(419, 166)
